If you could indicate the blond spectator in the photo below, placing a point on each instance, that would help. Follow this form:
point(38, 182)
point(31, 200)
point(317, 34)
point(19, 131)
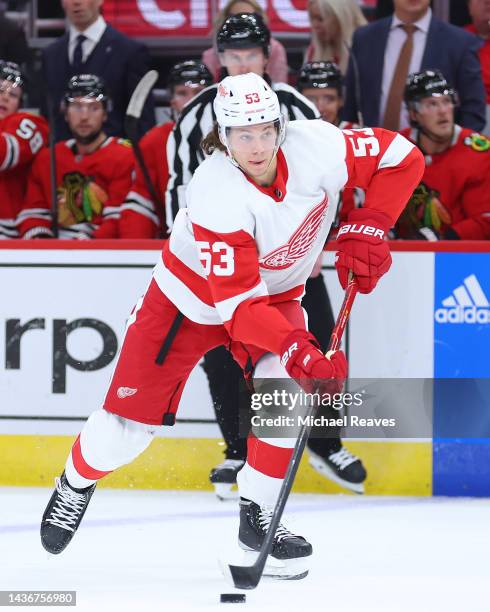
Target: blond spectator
point(333, 23)
point(277, 64)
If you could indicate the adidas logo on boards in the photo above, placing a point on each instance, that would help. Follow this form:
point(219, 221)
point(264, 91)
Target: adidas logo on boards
point(467, 304)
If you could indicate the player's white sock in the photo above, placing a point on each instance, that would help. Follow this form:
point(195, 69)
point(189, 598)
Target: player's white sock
point(106, 442)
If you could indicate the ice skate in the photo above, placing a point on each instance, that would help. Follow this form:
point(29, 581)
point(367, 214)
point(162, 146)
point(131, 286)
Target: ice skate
point(289, 556)
point(223, 477)
point(63, 515)
point(341, 467)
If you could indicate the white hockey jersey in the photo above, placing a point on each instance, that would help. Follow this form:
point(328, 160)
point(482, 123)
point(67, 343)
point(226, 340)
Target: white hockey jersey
point(238, 248)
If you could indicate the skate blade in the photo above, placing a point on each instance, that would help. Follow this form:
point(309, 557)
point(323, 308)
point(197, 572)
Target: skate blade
point(225, 491)
point(324, 470)
point(280, 569)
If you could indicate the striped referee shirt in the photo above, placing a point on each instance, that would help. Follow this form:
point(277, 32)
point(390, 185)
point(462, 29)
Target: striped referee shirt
point(184, 151)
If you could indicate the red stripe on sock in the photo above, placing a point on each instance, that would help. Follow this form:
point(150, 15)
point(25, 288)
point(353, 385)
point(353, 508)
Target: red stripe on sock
point(267, 459)
point(82, 467)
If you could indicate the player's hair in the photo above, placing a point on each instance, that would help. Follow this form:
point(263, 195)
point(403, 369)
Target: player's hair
point(212, 142)
point(225, 12)
point(350, 17)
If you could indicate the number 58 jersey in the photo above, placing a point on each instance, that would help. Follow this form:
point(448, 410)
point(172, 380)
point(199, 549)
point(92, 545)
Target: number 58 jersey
point(22, 136)
point(238, 242)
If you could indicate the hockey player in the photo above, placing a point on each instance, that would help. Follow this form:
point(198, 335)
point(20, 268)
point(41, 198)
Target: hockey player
point(243, 44)
point(452, 201)
point(259, 211)
point(93, 171)
point(322, 84)
point(22, 136)
point(140, 215)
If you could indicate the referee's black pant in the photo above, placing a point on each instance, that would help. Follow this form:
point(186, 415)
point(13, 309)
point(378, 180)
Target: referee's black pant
point(226, 381)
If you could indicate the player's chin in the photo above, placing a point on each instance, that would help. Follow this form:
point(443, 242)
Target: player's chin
point(83, 132)
point(257, 169)
point(444, 130)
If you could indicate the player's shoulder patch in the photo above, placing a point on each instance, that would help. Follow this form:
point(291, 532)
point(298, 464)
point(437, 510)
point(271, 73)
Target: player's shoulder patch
point(477, 142)
point(124, 142)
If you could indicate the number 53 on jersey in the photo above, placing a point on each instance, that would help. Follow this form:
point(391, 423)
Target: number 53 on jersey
point(216, 257)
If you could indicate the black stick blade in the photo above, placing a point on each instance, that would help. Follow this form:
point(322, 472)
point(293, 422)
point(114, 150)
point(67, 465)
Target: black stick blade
point(245, 577)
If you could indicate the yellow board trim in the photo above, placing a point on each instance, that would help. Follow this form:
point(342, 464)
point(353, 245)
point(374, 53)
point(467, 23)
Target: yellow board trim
point(394, 468)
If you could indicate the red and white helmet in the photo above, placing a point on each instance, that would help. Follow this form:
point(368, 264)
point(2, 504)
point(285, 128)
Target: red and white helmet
point(247, 99)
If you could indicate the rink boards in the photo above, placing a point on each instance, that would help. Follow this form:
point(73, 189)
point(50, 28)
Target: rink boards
point(63, 313)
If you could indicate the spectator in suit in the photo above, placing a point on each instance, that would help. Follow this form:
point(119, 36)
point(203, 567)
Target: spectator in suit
point(13, 45)
point(384, 8)
point(410, 41)
point(90, 45)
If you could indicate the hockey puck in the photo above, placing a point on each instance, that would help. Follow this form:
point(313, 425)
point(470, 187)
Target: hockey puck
point(233, 598)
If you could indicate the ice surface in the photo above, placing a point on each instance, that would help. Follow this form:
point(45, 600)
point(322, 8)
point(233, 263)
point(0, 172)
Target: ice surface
point(158, 550)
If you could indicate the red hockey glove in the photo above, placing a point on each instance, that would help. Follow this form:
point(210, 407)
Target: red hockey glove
point(363, 248)
point(305, 362)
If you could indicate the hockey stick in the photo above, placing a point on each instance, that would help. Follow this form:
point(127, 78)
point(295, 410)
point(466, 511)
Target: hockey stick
point(52, 167)
point(131, 121)
point(248, 576)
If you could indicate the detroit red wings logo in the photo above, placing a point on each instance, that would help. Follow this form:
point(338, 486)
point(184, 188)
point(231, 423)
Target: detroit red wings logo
point(300, 242)
point(222, 91)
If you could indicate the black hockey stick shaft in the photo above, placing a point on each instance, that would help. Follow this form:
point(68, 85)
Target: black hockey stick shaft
point(52, 167)
point(248, 577)
point(131, 122)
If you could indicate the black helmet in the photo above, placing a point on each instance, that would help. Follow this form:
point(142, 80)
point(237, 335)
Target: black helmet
point(425, 84)
point(10, 71)
point(87, 86)
point(320, 75)
point(244, 31)
point(189, 73)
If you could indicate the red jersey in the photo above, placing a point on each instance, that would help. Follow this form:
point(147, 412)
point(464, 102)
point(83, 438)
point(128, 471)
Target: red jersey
point(484, 55)
point(140, 215)
point(22, 136)
point(454, 192)
point(91, 189)
point(350, 197)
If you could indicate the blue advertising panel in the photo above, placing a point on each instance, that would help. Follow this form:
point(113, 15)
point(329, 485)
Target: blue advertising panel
point(461, 447)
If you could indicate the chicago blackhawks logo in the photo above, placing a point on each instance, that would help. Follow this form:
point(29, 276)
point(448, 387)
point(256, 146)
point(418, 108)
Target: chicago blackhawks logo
point(300, 242)
point(424, 209)
point(478, 142)
point(79, 199)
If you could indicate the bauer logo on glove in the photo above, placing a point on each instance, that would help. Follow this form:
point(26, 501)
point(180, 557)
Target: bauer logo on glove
point(363, 248)
point(355, 228)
